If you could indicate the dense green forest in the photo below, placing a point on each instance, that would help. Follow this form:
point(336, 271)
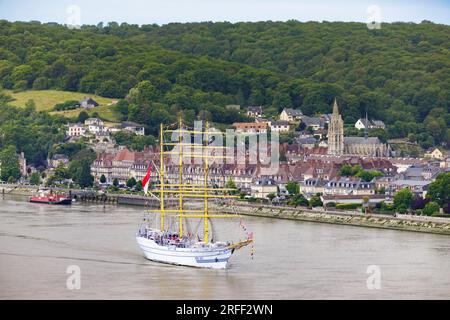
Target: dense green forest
point(399, 73)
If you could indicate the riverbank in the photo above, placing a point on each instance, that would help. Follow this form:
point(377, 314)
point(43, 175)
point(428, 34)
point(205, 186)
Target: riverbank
point(400, 222)
point(353, 218)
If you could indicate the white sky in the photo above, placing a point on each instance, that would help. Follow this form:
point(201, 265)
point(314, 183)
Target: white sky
point(161, 12)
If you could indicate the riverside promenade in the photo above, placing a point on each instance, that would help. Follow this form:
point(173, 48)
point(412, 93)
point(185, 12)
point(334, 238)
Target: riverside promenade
point(403, 222)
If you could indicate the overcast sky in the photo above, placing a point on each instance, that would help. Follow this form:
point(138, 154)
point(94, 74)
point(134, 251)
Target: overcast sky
point(165, 11)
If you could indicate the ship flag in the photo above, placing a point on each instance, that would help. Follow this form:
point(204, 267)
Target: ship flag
point(146, 180)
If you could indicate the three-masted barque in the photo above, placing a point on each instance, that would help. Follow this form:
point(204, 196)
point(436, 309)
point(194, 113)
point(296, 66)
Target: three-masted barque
point(162, 242)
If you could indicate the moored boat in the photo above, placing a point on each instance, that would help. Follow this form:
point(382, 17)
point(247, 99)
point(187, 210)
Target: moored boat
point(60, 199)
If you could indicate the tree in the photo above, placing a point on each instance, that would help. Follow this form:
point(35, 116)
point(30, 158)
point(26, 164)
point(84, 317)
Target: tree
point(431, 208)
point(346, 170)
point(439, 190)
point(231, 185)
point(368, 175)
point(200, 68)
point(357, 171)
point(102, 178)
point(80, 172)
point(35, 179)
point(271, 196)
point(9, 163)
point(299, 200)
point(60, 172)
point(403, 200)
point(109, 89)
point(116, 182)
point(419, 203)
point(315, 201)
point(134, 141)
point(138, 186)
point(293, 188)
point(82, 116)
point(131, 182)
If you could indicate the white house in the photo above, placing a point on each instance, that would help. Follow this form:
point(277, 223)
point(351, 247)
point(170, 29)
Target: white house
point(93, 121)
point(255, 111)
point(279, 126)
point(291, 115)
point(434, 153)
point(75, 130)
point(263, 187)
point(371, 124)
point(88, 103)
point(250, 127)
point(93, 128)
point(133, 127)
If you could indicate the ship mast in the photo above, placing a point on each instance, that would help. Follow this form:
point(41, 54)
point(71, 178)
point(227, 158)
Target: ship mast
point(161, 173)
point(180, 168)
point(190, 190)
point(205, 164)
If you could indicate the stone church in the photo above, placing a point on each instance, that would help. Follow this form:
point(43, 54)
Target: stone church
point(361, 146)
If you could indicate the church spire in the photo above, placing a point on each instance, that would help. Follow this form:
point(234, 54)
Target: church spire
point(335, 107)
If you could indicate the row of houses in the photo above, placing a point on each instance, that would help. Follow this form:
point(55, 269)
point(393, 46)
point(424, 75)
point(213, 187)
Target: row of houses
point(315, 174)
point(262, 126)
point(97, 127)
point(295, 116)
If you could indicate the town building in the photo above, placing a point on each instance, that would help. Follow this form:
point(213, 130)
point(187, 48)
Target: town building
point(291, 115)
point(250, 127)
point(133, 127)
point(445, 163)
point(418, 187)
point(75, 130)
point(96, 129)
point(279, 126)
point(349, 185)
point(434, 153)
point(88, 103)
point(315, 123)
point(336, 132)
point(308, 142)
point(361, 146)
point(262, 187)
point(255, 111)
point(363, 124)
point(94, 121)
point(312, 186)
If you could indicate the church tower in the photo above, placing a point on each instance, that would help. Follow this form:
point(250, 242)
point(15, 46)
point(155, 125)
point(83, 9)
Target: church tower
point(336, 132)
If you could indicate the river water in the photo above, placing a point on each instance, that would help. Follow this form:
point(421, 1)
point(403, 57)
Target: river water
point(292, 260)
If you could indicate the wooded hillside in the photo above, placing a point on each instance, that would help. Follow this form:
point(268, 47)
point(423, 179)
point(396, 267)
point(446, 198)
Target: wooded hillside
point(400, 73)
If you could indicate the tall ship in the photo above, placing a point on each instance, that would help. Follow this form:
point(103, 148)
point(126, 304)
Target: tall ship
point(164, 235)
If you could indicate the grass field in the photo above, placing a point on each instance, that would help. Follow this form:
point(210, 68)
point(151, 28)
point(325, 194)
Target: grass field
point(45, 100)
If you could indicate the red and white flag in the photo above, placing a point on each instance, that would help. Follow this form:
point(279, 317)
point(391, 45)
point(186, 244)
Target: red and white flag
point(146, 180)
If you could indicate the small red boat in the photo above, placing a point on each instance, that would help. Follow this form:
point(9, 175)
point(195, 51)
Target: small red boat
point(52, 199)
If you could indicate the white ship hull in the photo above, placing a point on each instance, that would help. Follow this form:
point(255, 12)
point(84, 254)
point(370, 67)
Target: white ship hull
point(201, 256)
